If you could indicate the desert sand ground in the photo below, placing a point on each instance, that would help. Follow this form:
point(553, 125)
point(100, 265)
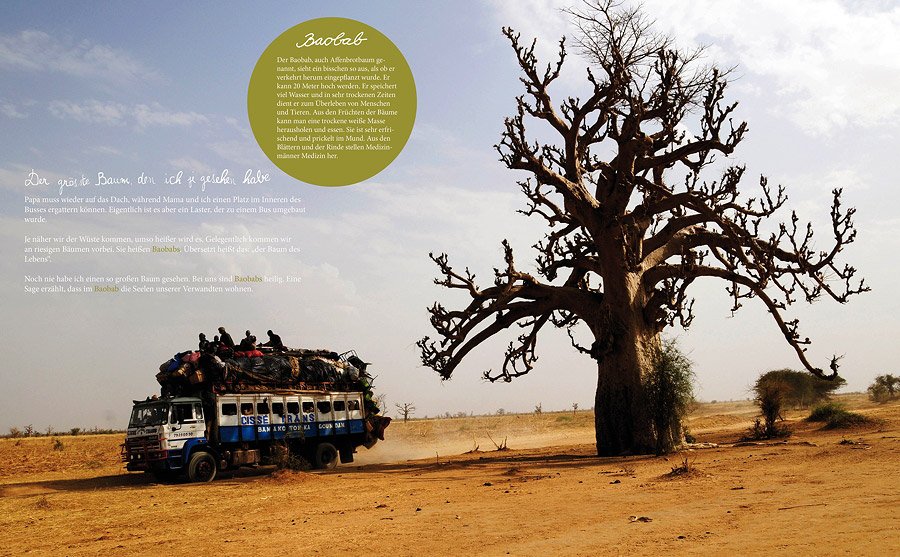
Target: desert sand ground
point(819, 493)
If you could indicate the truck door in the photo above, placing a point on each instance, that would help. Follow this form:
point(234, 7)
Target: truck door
point(324, 416)
point(187, 420)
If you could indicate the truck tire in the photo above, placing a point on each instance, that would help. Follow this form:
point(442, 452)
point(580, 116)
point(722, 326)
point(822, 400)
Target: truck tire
point(202, 467)
point(326, 456)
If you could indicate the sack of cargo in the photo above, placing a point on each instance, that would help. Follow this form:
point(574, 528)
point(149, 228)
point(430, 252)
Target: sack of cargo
point(182, 371)
point(295, 366)
point(196, 377)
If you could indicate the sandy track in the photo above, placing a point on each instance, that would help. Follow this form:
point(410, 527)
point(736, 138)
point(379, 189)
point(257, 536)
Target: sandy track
point(811, 495)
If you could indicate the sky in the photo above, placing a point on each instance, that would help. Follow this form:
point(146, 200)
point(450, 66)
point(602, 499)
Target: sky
point(131, 87)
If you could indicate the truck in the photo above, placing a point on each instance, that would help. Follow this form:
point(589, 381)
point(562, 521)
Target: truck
point(199, 427)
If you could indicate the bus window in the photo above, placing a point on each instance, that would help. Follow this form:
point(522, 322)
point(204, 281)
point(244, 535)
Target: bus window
point(262, 407)
point(229, 409)
point(339, 406)
point(308, 407)
point(293, 407)
point(324, 406)
point(246, 409)
point(278, 408)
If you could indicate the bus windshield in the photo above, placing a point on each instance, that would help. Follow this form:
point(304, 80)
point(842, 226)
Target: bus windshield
point(147, 415)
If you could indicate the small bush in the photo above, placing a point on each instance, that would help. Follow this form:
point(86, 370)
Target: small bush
point(58, 445)
point(758, 431)
point(770, 393)
point(670, 393)
point(824, 412)
point(844, 420)
point(836, 416)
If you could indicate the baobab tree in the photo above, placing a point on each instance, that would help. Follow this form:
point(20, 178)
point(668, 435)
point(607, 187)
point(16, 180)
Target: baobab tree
point(634, 220)
point(406, 410)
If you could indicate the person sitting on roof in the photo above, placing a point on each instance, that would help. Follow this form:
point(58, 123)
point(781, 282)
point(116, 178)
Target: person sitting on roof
point(274, 341)
point(248, 343)
point(204, 344)
point(225, 338)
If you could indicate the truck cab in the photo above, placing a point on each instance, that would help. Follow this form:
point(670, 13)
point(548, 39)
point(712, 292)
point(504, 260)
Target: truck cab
point(162, 433)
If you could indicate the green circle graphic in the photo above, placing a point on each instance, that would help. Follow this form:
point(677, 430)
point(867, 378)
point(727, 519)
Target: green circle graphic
point(331, 101)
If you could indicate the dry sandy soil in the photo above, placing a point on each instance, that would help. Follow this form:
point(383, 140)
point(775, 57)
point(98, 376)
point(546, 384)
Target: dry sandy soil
point(821, 492)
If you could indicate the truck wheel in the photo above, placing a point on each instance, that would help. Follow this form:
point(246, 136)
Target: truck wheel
point(202, 467)
point(326, 456)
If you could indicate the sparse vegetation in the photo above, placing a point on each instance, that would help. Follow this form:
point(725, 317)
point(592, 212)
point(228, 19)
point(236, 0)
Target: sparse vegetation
point(29, 431)
point(769, 392)
point(884, 388)
point(670, 393)
point(683, 469)
point(58, 445)
point(836, 416)
point(799, 388)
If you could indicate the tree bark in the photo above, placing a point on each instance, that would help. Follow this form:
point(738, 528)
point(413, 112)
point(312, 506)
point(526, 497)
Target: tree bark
point(621, 415)
point(624, 347)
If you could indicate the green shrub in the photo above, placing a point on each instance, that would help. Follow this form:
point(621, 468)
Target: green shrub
point(799, 388)
point(824, 412)
point(884, 388)
point(670, 393)
point(836, 416)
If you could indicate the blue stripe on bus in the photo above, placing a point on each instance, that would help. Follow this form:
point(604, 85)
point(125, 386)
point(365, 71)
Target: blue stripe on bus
point(234, 434)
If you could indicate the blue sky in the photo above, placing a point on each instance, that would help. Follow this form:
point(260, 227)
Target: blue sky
point(132, 87)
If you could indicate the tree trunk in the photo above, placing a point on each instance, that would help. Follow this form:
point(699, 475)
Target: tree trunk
point(624, 349)
point(621, 413)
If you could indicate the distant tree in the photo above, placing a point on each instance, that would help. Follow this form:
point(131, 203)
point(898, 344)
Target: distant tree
point(406, 410)
point(538, 408)
point(769, 396)
point(574, 408)
point(884, 388)
point(380, 401)
point(801, 389)
point(501, 412)
point(633, 221)
point(29, 431)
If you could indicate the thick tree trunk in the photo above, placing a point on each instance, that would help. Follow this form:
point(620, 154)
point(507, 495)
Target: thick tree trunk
point(624, 349)
point(621, 412)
